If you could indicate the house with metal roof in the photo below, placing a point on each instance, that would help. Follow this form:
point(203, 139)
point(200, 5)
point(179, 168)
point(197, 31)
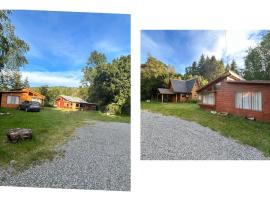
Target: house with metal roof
point(179, 90)
point(73, 103)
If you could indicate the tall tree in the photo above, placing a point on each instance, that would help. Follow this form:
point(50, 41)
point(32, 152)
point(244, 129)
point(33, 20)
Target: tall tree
point(154, 74)
point(108, 83)
point(26, 83)
point(12, 50)
point(233, 67)
point(257, 61)
point(207, 68)
point(212, 68)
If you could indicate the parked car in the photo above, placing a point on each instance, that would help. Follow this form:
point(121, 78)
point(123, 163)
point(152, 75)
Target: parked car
point(30, 106)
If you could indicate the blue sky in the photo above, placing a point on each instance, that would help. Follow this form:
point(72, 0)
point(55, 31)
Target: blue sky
point(181, 47)
point(61, 42)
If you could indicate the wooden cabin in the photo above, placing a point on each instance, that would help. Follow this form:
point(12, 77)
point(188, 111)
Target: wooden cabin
point(179, 91)
point(73, 103)
point(12, 98)
point(232, 94)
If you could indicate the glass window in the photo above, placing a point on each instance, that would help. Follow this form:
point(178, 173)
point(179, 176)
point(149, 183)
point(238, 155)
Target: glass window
point(257, 101)
point(248, 100)
point(238, 100)
point(208, 99)
point(13, 100)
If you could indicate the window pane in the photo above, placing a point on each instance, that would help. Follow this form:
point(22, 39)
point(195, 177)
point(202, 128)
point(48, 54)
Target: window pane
point(247, 100)
point(238, 100)
point(17, 100)
point(257, 101)
point(9, 100)
point(13, 100)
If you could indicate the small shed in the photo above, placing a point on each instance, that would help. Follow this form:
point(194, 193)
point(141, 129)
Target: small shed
point(13, 98)
point(73, 103)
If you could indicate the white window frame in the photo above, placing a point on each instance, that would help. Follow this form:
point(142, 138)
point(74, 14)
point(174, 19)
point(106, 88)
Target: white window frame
point(208, 99)
point(13, 100)
point(247, 100)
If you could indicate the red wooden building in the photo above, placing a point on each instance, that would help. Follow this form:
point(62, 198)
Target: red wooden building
point(73, 103)
point(231, 93)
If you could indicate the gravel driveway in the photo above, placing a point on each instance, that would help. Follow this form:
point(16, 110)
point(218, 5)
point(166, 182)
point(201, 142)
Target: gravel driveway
point(171, 138)
point(97, 157)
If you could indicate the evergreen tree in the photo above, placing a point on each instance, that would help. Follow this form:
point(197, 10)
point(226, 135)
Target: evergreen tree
point(257, 61)
point(233, 67)
point(26, 83)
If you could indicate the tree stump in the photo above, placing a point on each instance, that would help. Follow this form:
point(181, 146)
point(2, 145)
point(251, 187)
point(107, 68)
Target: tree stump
point(17, 134)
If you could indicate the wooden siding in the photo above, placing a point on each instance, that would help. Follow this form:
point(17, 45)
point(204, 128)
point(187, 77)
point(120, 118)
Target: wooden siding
point(60, 102)
point(194, 94)
point(24, 95)
point(225, 100)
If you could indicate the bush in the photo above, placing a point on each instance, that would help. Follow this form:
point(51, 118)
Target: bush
point(113, 108)
point(192, 101)
point(125, 109)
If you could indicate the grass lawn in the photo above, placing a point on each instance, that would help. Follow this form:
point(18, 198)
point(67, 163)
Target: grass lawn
point(50, 127)
point(253, 133)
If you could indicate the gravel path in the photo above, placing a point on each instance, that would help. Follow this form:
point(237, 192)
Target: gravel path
point(97, 157)
point(171, 138)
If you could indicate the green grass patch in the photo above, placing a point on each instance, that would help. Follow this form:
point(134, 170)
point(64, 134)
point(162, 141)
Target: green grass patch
point(50, 128)
point(253, 133)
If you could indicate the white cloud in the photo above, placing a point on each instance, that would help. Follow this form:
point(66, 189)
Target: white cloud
point(231, 44)
point(106, 46)
point(66, 78)
point(158, 49)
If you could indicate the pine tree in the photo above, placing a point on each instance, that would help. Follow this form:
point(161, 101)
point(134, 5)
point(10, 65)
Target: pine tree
point(26, 83)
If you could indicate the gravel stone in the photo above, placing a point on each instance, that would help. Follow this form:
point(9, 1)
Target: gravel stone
point(171, 138)
point(96, 157)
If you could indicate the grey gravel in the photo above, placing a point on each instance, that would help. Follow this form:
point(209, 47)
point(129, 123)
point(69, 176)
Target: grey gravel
point(97, 157)
point(171, 138)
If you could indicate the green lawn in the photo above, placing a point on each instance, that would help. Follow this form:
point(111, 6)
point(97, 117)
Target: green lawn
point(50, 127)
point(253, 133)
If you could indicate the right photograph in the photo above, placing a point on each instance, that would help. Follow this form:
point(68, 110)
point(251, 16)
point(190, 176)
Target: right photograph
point(205, 95)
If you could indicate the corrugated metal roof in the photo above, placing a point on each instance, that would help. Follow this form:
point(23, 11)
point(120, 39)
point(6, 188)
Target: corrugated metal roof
point(73, 99)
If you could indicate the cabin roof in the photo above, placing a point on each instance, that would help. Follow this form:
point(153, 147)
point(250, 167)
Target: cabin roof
point(183, 86)
point(24, 90)
point(263, 82)
point(74, 99)
point(165, 91)
point(229, 73)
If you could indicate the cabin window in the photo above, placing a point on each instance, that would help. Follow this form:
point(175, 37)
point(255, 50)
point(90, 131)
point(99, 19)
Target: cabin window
point(248, 100)
point(208, 99)
point(13, 100)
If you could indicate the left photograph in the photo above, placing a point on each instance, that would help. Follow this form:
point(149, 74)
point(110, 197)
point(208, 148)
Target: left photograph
point(65, 100)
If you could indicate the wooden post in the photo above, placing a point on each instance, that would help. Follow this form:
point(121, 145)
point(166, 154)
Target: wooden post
point(162, 98)
point(176, 98)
